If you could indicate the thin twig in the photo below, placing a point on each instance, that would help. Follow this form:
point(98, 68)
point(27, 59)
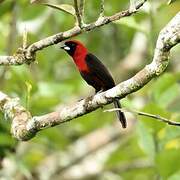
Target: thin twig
point(78, 14)
point(158, 117)
point(25, 40)
point(81, 9)
point(102, 9)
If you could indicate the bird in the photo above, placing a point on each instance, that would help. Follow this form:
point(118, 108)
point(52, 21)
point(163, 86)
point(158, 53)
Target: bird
point(93, 71)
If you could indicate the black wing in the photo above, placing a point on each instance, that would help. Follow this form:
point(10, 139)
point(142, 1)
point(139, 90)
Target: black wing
point(89, 78)
point(97, 68)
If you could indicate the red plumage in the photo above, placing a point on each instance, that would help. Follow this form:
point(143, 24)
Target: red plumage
point(93, 71)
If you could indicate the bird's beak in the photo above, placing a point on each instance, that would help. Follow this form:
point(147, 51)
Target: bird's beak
point(63, 46)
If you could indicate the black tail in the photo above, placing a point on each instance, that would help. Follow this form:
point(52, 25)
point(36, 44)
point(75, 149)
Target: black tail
point(120, 114)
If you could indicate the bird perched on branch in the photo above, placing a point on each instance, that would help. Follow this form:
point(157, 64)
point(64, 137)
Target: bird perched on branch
point(92, 71)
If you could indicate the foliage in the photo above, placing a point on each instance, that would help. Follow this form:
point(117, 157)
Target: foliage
point(53, 81)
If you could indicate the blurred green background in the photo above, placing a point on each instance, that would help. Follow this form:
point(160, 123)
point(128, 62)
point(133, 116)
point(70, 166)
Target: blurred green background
point(93, 146)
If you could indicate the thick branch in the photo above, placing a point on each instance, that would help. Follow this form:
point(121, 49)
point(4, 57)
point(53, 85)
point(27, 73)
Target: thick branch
point(19, 115)
point(24, 126)
point(28, 55)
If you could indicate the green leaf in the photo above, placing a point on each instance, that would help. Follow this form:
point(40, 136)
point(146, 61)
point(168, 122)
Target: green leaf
point(172, 132)
point(55, 138)
point(53, 89)
point(175, 104)
point(167, 162)
point(169, 137)
point(131, 23)
point(169, 95)
point(28, 93)
point(175, 176)
point(165, 90)
point(6, 140)
point(153, 124)
point(5, 8)
point(62, 7)
point(120, 155)
point(146, 140)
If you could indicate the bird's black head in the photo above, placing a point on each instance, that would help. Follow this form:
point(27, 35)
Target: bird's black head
point(70, 47)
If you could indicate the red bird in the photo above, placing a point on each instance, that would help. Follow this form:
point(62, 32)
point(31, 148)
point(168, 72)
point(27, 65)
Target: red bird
point(92, 71)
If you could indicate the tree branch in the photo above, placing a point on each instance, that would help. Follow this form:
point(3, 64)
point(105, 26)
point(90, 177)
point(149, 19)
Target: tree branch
point(11, 60)
point(26, 56)
point(25, 127)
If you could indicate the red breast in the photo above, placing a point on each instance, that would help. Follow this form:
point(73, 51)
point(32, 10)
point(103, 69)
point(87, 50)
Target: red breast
point(79, 57)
